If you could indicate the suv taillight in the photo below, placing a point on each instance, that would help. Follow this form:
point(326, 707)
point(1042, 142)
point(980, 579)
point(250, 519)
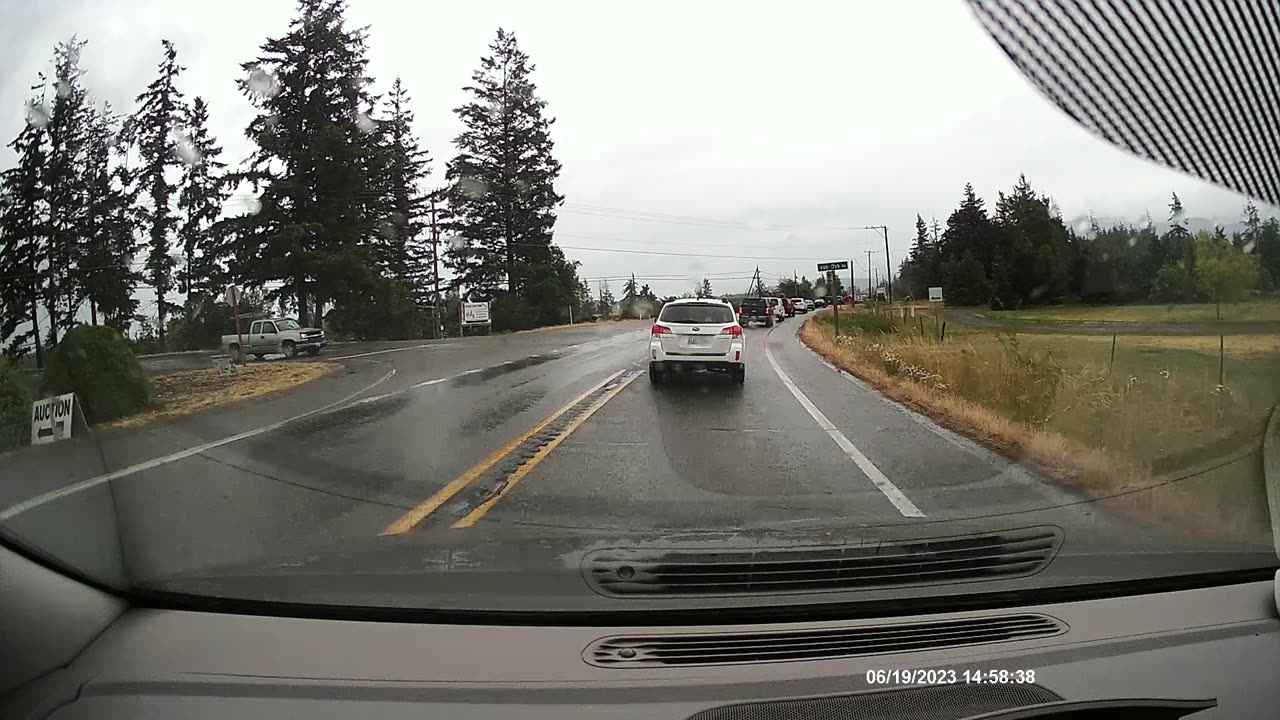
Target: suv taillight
point(732, 330)
point(659, 330)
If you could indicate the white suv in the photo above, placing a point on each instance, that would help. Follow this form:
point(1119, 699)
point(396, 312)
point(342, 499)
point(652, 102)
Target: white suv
point(696, 335)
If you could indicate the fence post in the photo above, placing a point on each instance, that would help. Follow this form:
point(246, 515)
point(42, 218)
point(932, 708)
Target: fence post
point(1112, 362)
point(920, 322)
point(1222, 378)
point(943, 335)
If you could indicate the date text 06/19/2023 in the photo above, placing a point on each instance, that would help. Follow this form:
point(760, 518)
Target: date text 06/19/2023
point(951, 676)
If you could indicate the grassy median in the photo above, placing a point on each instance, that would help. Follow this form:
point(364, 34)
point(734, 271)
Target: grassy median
point(184, 393)
point(1254, 311)
point(1153, 417)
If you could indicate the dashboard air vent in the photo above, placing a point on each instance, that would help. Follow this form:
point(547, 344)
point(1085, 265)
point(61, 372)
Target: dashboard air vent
point(827, 643)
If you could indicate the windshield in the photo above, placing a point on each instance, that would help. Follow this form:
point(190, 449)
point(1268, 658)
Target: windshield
point(711, 314)
point(955, 312)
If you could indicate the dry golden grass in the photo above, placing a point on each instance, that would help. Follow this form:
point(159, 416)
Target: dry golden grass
point(184, 393)
point(1218, 504)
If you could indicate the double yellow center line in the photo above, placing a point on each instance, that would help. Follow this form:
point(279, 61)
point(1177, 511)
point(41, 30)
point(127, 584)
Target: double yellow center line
point(420, 512)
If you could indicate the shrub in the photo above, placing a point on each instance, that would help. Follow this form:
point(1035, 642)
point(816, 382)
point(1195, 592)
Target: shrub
point(863, 321)
point(95, 363)
point(15, 407)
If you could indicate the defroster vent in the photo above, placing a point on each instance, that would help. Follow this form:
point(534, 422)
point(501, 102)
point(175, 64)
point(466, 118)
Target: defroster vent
point(824, 644)
point(762, 570)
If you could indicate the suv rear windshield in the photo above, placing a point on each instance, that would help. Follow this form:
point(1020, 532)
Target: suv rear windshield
point(709, 314)
point(753, 302)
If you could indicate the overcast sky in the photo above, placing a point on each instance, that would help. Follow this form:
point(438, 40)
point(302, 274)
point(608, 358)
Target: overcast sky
point(810, 115)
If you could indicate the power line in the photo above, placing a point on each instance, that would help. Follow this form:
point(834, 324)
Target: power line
point(645, 215)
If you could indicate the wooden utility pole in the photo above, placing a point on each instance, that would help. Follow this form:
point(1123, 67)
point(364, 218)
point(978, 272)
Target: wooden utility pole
point(870, 288)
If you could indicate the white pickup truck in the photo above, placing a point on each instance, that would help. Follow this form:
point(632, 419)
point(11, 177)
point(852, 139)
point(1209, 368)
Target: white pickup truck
point(274, 336)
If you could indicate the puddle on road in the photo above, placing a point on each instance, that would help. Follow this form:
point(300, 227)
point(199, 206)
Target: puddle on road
point(348, 416)
point(489, 373)
point(510, 406)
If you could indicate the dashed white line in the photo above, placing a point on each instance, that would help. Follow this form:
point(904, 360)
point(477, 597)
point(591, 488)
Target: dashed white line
point(425, 383)
point(882, 483)
point(62, 492)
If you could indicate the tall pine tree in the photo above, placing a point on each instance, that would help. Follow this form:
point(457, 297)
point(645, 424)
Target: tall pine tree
point(155, 130)
point(24, 236)
point(309, 236)
point(406, 250)
point(201, 192)
point(501, 188)
point(107, 272)
point(65, 189)
point(630, 294)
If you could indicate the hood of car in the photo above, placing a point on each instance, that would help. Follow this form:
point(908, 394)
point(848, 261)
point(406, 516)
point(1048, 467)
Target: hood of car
point(522, 569)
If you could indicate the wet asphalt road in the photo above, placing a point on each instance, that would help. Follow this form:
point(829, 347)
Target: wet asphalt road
point(700, 453)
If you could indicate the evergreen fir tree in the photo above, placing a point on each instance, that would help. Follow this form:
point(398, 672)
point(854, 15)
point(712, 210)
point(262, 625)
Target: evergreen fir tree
point(64, 182)
point(969, 229)
point(406, 249)
point(153, 129)
point(704, 290)
point(501, 182)
point(23, 236)
point(109, 246)
point(201, 193)
point(630, 294)
point(310, 233)
point(606, 299)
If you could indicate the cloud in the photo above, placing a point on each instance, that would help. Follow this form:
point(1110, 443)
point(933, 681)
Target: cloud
point(783, 121)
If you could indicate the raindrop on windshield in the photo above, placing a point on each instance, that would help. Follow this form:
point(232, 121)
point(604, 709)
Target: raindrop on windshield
point(37, 114)
point(262, 83)
point(1133, 241)
point(1249, 246)
point(472, 187)
point(457, 242)
point(365, 124)
point(62, 88)
point(252, 206)
point(182, 145)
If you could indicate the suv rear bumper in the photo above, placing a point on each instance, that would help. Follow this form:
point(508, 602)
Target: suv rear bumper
point(666, 361)
point(695, 365)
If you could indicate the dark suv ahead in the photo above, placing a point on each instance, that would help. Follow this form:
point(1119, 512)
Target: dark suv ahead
point(755, 309)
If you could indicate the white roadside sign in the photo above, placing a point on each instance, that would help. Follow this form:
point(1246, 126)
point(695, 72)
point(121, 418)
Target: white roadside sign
point(475, 313)
point(935, 294)
point(51, 419)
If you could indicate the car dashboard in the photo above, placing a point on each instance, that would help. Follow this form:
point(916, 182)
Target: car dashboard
point(1209, 652)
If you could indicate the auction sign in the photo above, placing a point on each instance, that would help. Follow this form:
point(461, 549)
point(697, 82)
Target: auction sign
point(51, 419)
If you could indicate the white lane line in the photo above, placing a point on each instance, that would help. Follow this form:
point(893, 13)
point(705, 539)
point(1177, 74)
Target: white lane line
point(426, 383)
point(400, 349)
point(62, 492)
point(924, 421)
point(890, 491)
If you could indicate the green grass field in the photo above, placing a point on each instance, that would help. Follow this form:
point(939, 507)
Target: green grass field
point(1146, 431)
point(1158, 398)
point(1254, 311)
